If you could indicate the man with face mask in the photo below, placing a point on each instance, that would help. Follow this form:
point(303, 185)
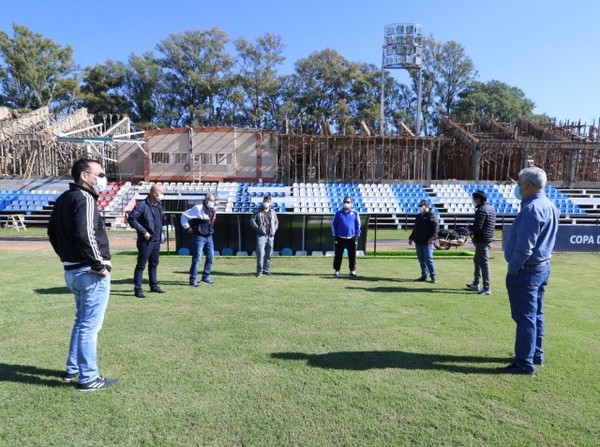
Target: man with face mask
point(345, 228)
point(527, 251)
point(199, 220)
point(78, 236)
point(483, 230)
point(146, 219)
point(423, 235)
point(265, 223)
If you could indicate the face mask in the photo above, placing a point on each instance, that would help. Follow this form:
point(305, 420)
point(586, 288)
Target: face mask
point(266, 205)
point(423, 209)
point(517, 193)
point(160, 197)
point(347, 206)
point(100, 185)
point(210, 204)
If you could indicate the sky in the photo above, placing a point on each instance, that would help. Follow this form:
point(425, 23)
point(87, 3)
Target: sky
point(549, 50)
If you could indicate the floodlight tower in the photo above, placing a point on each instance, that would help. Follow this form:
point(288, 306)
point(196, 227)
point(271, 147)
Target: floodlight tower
point(402, 48)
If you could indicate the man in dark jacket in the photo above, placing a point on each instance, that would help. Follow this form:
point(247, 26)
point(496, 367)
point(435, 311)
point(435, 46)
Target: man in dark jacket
point(264, 222)
point(78, 236)
point(423, 235)
point(199, 220)
point(483, 231)
point(146, 219)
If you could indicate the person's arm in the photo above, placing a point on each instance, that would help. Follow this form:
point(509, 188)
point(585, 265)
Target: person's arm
point(84, 213)
point(526, 238)
point(253, 219)
point(334, 224)
point(275, 223)
point(192, 213)
point(133, 219)
point(357, 226)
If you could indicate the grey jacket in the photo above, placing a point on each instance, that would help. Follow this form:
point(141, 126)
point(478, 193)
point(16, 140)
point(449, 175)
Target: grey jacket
point(259, 220)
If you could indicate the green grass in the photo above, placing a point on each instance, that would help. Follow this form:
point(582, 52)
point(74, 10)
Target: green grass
point(299, 358)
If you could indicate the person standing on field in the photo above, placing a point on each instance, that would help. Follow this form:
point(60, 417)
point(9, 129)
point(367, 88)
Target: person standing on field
point(423, 235)
point(484, 234)
point(527, 251)
point(345, 228)
point(265, 223)
point(78, 236)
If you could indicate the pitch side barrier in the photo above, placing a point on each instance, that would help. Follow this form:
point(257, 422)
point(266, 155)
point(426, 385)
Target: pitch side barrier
point(300, 233)
point(570, 238)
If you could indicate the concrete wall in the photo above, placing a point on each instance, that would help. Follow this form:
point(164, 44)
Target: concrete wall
point(221, 154)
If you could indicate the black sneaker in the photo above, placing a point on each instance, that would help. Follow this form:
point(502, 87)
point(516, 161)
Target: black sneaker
point(514, 369)
point(421, 279)
point(157, 289)
point(70, 377)
point(96, 385)
point(139, 294)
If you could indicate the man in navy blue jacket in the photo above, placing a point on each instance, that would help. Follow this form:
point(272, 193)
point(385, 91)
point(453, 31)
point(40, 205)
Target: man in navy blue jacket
point(146, 219)
point(346, 231)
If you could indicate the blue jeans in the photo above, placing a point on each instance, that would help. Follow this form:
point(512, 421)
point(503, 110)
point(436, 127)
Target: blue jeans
point(482, 264)
point(264, 248)
point(148, 251)
point(425, 257)
point(91, 293)
point(202, 244)
point(526, 295)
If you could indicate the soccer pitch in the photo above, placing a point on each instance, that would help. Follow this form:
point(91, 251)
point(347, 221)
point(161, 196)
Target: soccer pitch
point(300, 358)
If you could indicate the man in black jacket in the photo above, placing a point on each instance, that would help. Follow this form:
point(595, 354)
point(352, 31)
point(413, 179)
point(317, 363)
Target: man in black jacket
point(483, 230)
point(146, 219)
point(423, 235)
point(78, 236)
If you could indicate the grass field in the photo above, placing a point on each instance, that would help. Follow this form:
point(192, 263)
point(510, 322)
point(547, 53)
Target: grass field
point(300, 358)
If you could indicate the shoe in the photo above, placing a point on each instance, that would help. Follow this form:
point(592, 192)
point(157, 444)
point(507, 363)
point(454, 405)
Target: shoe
point(421, 279)
point(96, 385)
point(139, 294)
point(433, 280)
point(70, 377)
point(473, 287)
point(258, 274)
point(484, 292)
point(514, 369)
point(353, 273)
point(266, 272)
point(194, 283)
point(336, 273)
point(157, 289)
point(538, 362)
point(207, 281)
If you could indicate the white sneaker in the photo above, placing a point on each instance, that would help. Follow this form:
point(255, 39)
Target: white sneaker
point(484, 292)
point(336, 273)
point(353, 273)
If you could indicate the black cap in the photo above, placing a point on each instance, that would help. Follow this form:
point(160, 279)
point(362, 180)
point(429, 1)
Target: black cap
point(424, 202)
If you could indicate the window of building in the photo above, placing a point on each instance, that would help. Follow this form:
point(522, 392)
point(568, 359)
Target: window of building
point(160, 157)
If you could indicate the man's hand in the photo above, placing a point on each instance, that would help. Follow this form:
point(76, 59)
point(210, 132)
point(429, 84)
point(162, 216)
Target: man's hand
point(190, 230)
point(147, 236)
point(410, 242)
point(103, 273)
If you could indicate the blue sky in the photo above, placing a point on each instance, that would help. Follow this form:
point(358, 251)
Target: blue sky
point(550, 50)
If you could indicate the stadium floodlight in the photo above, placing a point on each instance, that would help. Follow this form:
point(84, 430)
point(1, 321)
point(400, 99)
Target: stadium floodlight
point(402, 48)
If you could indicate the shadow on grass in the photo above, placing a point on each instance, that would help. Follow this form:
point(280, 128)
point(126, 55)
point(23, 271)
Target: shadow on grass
point(399, 289)
point(31, 375)
point(365, 360)
point(53, 291)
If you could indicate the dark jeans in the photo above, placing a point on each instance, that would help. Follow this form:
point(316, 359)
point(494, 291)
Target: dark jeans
point(340, 245)
point(148, 251)
point(526, 295)
point(202, 245)
point(482, 264)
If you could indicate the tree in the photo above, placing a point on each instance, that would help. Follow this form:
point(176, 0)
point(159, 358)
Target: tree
point(447, 70)
point(197, 77)
point(142, 87)
point(102, 89)
point(257, 78)
point(494, 99)
point(35, 71)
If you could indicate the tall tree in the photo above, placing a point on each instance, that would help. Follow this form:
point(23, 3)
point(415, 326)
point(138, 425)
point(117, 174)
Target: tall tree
point(197, 77)
point(257, 78)
point(142, 87)
point(447, 70)
point(494, 99)
point(34, 70)
point(102, 89)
